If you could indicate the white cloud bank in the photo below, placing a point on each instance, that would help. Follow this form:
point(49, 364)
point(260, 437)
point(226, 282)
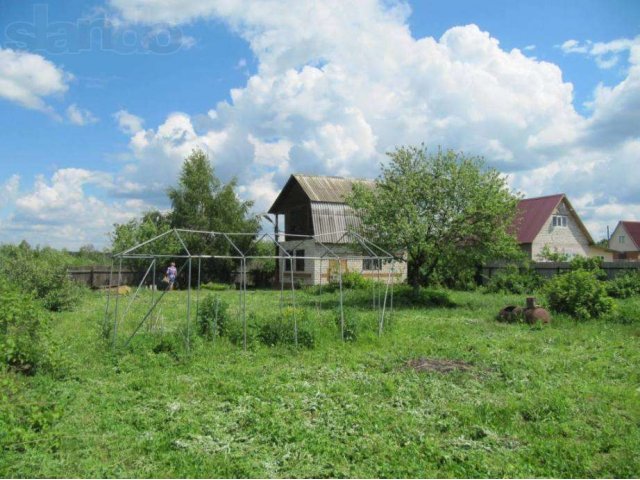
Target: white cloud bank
point(27, 78)
point(338, 84)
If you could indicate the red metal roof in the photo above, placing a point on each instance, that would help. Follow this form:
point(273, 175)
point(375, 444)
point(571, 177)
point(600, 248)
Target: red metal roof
point(633, 229)
point(531, 215)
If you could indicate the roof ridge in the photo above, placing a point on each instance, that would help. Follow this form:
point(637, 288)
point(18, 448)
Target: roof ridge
point(544, 196)
point(332, 176)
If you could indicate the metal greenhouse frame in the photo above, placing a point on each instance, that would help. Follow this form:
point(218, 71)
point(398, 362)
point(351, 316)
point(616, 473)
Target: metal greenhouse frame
point(369, 251)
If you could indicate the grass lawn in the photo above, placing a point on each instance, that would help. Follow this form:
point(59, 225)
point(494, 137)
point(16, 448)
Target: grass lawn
point(558, 401)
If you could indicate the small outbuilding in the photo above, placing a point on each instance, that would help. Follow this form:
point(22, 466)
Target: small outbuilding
point(314, 205)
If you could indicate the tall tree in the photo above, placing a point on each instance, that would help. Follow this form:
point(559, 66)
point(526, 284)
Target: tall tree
point(201, 201)
point(445, 210)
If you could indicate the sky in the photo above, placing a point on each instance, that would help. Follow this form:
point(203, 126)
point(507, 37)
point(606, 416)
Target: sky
point(101, 101)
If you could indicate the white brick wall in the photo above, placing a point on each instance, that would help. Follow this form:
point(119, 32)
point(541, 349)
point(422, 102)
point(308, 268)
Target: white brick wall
point(570, 239)
point(328, 267)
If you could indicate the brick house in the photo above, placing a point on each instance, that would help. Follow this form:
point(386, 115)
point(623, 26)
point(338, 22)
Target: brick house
point(625, 240)
point(552, 221)
point(314, 205)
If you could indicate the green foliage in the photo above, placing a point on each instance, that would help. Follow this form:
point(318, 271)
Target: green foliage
point(626, 312)
point(139, 230)
point(578, 293)
point(216, 287)
point(282, 331)
point(201, 201)
point(213, 317)
point(41, 272)
point(625, 285)
point(546, 254)
point(589, 264)
point(555, 402)
point(446, 210)
point(353, 280)
point(24, 339)
point(423, 297)
point(514, 279)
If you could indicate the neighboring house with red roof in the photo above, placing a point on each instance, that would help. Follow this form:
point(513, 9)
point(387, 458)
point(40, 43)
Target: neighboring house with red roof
point(625, 240)
point(552, 221)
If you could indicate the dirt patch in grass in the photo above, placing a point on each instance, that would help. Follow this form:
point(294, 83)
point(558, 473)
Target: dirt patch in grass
point(442, 365)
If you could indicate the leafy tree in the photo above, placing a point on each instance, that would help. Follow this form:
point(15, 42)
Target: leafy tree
point(139, 230)
point(201, 201)
point(446, 210)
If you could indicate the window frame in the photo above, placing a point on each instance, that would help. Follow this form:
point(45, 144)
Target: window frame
point(559, 220)
point(300, 263)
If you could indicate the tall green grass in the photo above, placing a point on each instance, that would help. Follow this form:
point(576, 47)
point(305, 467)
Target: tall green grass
point(558, 401)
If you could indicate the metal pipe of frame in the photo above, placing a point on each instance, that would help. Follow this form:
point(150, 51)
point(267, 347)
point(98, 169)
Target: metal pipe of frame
point(115, 315)
point(293, 304)
point(106, 310)
point(341, 301)
point(189, 306)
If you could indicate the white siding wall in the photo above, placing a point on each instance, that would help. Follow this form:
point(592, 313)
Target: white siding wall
point(326, 268)
point(570, 239)
point(617, 245)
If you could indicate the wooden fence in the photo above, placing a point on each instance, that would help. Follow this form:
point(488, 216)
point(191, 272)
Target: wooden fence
point(97, 276)
point(549, 269)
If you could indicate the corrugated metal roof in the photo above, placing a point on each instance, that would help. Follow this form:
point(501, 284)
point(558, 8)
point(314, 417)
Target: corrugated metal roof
point(331, 220)
point(318, 189)
point(633, 229)
point(532, 214)
point(329, 189)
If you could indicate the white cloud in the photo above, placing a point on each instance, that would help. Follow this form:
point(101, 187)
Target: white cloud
point(333, 94)
point(62, 211)
point(9, 190)
point(128, 122)
point(529, 48)
point(27, 78)
point(79, 116)
point(605, 54)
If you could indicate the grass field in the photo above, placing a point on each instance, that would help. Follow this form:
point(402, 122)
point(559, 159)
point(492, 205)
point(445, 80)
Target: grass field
point(494, 399)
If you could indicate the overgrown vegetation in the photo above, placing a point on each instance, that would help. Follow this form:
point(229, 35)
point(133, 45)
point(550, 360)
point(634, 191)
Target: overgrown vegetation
point(625, 285)
point(556, 401)
point(41, 272)
point(514, 279)
point(578, 293)
point(24, 335)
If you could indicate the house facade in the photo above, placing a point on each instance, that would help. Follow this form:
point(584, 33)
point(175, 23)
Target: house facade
point(312, 205)
point(625, 240)
point(551, 222)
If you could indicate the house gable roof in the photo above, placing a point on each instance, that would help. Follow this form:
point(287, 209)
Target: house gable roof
point(533, 213)
point(633, 230)
point(319, 189)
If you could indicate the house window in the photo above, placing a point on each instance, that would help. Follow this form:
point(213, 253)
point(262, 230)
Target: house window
point(560, 221)
point(371, 264)
point(299, 261)
point(621, 239)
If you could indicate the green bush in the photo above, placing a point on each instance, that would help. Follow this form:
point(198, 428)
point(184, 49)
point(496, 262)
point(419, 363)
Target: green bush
point(404, 295)
point(24, 333)
point(353, 281)
point(213, 317)
point(578, 293)
point(42, 272)
point(627, 312)
point(281, 331)
point(625, 286)
point(589, 264)
point(512, 279)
